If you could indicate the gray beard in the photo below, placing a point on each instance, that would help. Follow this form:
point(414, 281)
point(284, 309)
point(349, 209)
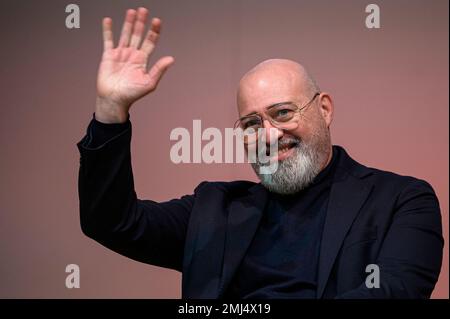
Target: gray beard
point(298, 171)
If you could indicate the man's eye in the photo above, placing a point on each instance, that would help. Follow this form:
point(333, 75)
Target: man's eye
point(251, 123)
point(283, 114)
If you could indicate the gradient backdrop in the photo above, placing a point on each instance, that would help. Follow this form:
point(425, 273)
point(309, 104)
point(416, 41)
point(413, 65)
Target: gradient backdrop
point(390, 88)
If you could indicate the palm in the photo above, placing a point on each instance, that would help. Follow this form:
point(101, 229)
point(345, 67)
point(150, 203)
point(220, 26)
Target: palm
point(123, 77)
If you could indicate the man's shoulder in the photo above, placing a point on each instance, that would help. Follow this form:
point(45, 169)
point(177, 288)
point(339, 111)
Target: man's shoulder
point(383, 178)
point(398, 182)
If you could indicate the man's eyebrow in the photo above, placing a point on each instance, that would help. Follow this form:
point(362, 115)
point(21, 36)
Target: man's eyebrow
point(269, 107)
point(278, 104)
point(249, 114)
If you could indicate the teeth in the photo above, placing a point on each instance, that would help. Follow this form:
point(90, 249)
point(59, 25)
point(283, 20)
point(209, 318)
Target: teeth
point(283, 149)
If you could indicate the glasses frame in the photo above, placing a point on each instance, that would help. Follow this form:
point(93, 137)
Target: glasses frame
point(271, 120)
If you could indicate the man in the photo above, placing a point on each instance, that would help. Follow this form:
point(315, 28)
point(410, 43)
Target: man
point(309, 230)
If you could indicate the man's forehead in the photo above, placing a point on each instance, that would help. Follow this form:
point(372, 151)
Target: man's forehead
point(258, 102)
point(270, 82)
point(266, 90)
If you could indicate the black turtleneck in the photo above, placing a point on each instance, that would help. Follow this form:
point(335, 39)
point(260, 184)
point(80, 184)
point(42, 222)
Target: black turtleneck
point(282, 259)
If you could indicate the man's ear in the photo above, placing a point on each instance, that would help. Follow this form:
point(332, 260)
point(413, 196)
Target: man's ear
point(326, 107)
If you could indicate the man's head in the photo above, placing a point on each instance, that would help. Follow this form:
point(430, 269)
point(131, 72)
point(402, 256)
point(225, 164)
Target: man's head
point(303, 151)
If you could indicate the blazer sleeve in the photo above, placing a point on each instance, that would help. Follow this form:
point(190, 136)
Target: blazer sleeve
point(111, 213)
point(411, 255)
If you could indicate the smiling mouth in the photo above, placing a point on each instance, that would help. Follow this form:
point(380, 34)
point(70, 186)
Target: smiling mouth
point(283, 148)
point(286, 147)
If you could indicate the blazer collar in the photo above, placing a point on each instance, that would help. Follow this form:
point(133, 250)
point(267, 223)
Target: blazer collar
point(347, 196)
point(348, 193)
point(243, 220)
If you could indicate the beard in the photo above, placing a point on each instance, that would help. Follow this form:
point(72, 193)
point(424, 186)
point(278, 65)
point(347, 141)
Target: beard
point(297, 171)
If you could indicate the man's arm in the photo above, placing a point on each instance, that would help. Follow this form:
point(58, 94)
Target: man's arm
point(411, 256)
point(111, 214)
point(109, 209)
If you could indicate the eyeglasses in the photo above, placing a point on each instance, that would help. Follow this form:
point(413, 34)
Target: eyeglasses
point(284, 116)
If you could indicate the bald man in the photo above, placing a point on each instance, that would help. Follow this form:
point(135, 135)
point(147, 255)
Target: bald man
point(320, 226)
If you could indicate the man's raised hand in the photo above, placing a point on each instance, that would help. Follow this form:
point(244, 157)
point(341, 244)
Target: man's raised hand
point(123, 77)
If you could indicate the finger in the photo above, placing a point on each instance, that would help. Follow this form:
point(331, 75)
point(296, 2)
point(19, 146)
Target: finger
point(157, 71)
point(139, 27)
point(108, 42)
point(152, 36)
point(127, 28)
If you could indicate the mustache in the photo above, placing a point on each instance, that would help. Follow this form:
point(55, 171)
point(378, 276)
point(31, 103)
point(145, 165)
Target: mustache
point(290, 141)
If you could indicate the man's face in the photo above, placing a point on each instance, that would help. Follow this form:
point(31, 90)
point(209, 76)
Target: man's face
point(302, 151)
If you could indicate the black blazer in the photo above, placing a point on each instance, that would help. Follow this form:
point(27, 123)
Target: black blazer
point(373, 217)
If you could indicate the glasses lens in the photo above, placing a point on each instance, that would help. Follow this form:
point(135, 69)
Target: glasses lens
point(248, 127)
point(282, 113)
point(250, 122)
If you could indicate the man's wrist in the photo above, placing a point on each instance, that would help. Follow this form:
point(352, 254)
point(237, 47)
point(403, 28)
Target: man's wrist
point(109, 112)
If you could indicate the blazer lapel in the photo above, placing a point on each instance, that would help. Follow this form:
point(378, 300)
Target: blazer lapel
point(346, 199)
point(243, 220)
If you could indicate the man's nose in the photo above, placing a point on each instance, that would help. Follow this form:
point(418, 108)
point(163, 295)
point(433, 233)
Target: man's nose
point(275, 136)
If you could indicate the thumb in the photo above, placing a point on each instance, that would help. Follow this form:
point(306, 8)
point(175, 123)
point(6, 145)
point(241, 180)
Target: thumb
point(158, 69)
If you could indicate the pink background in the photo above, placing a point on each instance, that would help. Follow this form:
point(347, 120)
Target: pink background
point(390, 88)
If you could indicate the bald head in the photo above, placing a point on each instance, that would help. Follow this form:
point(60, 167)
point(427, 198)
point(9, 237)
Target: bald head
point(274, 81)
